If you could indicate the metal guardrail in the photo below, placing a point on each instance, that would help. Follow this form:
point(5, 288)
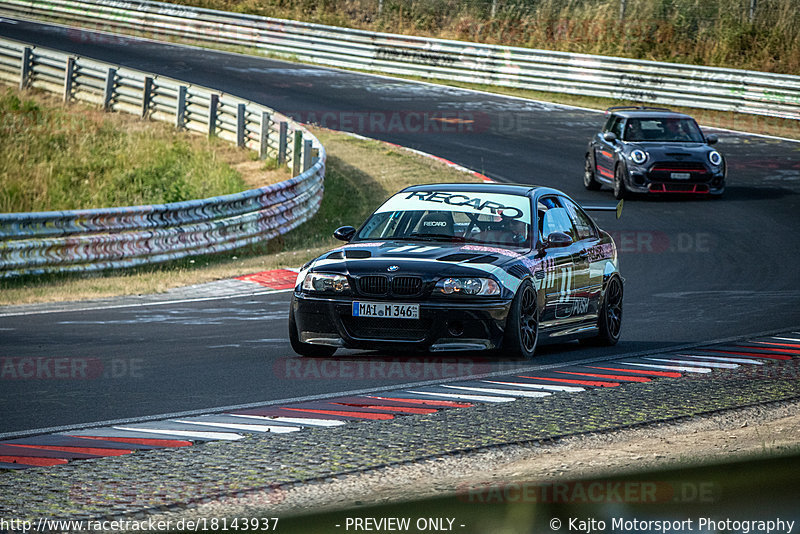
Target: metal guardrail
point(94, 239)
point(641, 81)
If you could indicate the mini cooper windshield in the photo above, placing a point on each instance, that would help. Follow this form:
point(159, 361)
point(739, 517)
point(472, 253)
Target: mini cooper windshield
point(671, 130)
point(484, 218)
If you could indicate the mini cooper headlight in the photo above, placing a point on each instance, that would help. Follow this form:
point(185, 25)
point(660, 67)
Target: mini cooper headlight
point(638, 156)
point(322, 282)
point(468, 286)
point(715, 158)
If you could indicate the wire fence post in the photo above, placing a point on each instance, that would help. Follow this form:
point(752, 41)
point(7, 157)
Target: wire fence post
point(297, 152)
point(307, 154)
point(108, 92)
point(283, 141)
point(263, 145)
point(180, 108)
point(26, 67)
point(241, 122)
point(213, 106)
point(69, 78)
point(147, 96)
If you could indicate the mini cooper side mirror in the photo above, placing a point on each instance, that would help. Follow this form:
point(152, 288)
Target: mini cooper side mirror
point(344, 233)
point(610, 137)
point(558, 239)
point(712, 139)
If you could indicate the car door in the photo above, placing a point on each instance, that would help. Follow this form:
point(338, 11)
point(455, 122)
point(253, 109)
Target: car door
point(560, 269)
point(604, 153)
point(588, 276)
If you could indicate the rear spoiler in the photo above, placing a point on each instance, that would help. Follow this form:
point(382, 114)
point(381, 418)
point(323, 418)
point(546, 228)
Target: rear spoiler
point(617, 208)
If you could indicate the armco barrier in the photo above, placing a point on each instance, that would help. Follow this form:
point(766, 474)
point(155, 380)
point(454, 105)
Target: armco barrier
point(641, 81)
point(94, 239)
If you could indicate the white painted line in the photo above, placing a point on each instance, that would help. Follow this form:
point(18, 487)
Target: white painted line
point(721, 359)
point(509, 392)
point(459, 396)
point(295, 420)
point(78, 308)
point(698, 362)
point(224, 436)
point(671, 367)
point(569, 389)
point(796, 340)
point(277, 429)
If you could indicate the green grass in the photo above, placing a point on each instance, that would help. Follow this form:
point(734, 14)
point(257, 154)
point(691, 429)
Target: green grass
point(59, 158)
point(360, 174)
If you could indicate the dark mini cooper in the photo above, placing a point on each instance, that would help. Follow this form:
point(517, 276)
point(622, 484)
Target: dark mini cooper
point(461, 267)
point(653, 150)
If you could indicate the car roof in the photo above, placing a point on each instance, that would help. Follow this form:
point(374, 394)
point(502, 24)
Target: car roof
point(649, 113)
point(507, 189)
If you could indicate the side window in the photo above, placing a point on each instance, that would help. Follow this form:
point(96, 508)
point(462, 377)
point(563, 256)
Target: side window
point(616, 127)
point(554, 217)
point(583, 224)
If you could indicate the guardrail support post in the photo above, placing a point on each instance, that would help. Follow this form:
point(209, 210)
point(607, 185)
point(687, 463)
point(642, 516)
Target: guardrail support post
point(283, 141)
point(263, 145)
point(307, 154)
point(108, 93)
point(297, 149)
point(241, 121)
point(213, 106)
point(180, 108)
point(147, 96)
point(69, 77)
point(25, 68)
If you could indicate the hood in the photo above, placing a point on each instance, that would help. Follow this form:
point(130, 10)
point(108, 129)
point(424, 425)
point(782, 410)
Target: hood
point(660, 151)
point(424, 259)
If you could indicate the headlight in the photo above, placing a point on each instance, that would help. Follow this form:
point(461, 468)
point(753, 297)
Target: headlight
point(330, 283)
point(638, 156)
point(715, 158)
point(468, 286)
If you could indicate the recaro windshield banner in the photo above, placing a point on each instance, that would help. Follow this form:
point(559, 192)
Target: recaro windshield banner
point(490, 204)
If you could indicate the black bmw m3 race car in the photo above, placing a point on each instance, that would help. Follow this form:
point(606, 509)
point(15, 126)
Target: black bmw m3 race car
point(461, 267)
point(653, 150)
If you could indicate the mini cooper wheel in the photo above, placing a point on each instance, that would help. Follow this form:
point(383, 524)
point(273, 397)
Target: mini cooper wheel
point(306, 349)
point(522, 325)
point(589, 181)
point(620, 189)
point(610, 320)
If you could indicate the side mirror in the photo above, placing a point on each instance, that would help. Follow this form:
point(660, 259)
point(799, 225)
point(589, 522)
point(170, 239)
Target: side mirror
point(344, 233)
point(712, 139)
point(557, 239)
point(610, 137)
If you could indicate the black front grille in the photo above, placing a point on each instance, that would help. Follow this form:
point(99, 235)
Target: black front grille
point(662, 171)
point(406, 285)
point(373, 285)
point(387, 329)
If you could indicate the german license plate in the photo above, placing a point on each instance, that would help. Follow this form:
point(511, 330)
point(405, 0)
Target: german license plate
point(680, 175)
point(385, 310)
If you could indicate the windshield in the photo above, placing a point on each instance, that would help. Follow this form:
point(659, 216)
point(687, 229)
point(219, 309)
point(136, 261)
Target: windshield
point(663, 129)
point(464, 217)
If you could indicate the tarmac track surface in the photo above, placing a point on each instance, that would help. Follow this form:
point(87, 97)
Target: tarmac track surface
point(695, 270)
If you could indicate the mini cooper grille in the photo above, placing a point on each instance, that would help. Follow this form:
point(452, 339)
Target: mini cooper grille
point(373, 285)
point(386, 329)
point(406, 285)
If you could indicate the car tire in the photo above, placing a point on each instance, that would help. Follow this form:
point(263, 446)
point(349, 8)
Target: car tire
point(522, 325)
point(306, 349)
point(620, 189)
point(609, 321)
point(589, 181)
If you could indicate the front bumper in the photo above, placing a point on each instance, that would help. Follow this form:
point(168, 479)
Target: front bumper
point(442, 326)
point(656, 178)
